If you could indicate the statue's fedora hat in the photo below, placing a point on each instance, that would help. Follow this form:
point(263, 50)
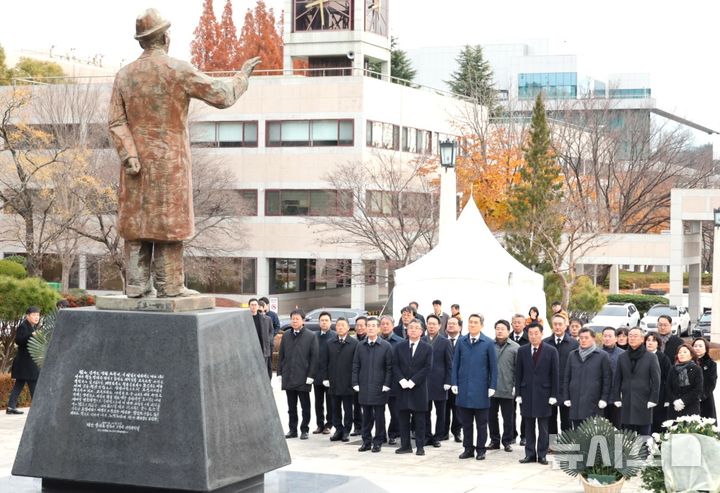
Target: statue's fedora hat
point(150, 22)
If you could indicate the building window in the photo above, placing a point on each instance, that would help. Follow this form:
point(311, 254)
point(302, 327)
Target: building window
point(291, 275)
point(639, 93)
point(554, 85)
point(308, 203)
point(232, 275)
point(380, 203)
point(415, 140)
point(310, 133)
point(224, 134)
point(383, 135)
point(216, 203)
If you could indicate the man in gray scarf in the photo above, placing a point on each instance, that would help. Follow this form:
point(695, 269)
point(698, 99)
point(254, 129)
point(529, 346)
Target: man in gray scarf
point(588, 379)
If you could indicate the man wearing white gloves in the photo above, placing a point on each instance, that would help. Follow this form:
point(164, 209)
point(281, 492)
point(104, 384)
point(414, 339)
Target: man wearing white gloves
point(474, 380)
point(297, 365)
point(372, 377)
point(636, 385)
point(588, 379)
point(537, 385)
point(412, 361)
point(438, 380)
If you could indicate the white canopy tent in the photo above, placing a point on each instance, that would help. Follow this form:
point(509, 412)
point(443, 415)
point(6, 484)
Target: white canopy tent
point(472, 269)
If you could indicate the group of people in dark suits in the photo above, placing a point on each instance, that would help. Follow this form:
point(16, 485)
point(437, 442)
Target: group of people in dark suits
point(471, 381)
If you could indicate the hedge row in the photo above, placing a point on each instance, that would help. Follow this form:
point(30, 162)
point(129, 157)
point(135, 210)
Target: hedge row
point(643, 302)
point(639, 280)
point(6, 385)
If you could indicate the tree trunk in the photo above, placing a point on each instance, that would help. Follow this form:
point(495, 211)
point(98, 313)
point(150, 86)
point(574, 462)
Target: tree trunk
point(33, 262)
point(566, 290)
point(67, 263)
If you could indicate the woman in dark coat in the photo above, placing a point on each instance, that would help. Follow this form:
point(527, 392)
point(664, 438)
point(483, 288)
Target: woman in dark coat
point(709, 368)
point(660, 411)
point(622, 338)
point(24, 369)
point(684, 384)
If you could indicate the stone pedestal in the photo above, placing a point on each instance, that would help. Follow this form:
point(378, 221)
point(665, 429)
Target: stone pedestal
point(179, 401)
point(170, 305)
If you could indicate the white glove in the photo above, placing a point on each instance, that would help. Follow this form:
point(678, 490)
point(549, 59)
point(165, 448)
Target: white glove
point(651, 405)
point(602, 404)
point(552, 401)
point(410, 384)
point(403, 383)
point(513, 390)
point(618, 403)
point(385, 389)
point(678, 405)
point(454, 389)
point(446, 387)
point(356, 388)
point(326, 383)
point(491, 392)
point(667, 404)
point(309, 381)
point(567, 403)
point(518, 399)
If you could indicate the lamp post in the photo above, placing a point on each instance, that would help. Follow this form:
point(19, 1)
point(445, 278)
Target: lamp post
point(448, 188)
point(715, 316)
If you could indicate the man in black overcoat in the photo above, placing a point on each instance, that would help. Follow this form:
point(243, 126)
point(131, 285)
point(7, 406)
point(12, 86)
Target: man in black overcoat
point(587, 379)
point(412, 361)
point(297, 365)
point(537, 386)
point(564, 344)
point(388, 335)
point(24, 370)
point(452, 419)
point(636, 385)
point(372, 378)
point(669, 343)
point(338, 368)
point(438, 380)
point(519, 336)
point(264, 329)
point(323, 404)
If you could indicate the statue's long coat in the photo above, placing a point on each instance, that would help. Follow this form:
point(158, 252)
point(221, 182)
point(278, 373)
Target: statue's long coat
point(148, 120)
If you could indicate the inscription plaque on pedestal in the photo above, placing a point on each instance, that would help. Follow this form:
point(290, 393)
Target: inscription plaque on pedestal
point(159, 400)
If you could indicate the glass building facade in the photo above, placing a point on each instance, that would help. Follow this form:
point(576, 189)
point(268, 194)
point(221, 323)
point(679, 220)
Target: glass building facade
point(554, 85)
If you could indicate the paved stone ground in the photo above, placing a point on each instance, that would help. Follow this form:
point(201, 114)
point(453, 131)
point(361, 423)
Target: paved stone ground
point(438, 471)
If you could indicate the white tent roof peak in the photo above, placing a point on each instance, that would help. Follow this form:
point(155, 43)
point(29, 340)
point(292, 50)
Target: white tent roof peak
point(470, 267)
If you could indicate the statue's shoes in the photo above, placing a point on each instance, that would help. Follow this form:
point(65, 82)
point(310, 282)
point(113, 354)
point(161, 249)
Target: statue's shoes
point(183, 292)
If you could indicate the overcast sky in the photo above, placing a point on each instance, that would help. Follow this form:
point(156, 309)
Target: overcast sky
point(675, 42)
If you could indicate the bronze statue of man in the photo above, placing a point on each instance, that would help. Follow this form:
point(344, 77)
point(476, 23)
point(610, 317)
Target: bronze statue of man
point(148, 124)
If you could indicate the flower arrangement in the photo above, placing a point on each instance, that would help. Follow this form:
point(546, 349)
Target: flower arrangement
point(589, 451)
point(653, 476)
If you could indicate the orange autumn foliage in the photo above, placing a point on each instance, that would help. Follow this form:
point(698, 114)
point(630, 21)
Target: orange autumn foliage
point(259, 36)
point(488, 172)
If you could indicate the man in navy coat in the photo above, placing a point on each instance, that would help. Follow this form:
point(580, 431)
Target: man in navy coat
point(537, 386)
point(323, 416)
point(439, 378)
point(474, 380)
point(412, 361)
point(564, 344)
point(371, 379)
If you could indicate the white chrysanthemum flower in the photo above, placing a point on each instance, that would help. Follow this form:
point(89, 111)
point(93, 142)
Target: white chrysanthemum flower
point(668, 423)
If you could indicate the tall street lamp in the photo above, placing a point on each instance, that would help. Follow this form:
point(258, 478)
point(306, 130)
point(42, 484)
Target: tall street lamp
point(448, 188)
point(715, 315)
point(448, 152)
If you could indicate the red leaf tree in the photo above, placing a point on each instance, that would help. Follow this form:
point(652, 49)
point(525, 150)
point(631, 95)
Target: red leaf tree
point(207, 34)
point(260, 36)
